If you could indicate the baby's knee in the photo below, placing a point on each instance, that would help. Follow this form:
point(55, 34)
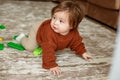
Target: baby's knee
point(28, 48)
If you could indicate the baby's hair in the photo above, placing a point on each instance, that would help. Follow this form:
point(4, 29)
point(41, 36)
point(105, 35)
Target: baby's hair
point(75, 12)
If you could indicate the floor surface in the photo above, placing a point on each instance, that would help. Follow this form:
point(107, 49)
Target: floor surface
point(18, 16)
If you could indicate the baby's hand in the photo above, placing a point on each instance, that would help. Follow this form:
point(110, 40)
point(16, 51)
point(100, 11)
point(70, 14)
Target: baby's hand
point(55, 70)
point(86, 56)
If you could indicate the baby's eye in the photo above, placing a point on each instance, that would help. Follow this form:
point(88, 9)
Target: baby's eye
point(53, 17)
point(61, 21)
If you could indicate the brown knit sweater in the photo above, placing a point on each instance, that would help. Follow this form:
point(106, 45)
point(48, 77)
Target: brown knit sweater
point(51, 41)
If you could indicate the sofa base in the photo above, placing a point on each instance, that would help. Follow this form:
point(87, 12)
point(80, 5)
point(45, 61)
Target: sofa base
point(107, 16)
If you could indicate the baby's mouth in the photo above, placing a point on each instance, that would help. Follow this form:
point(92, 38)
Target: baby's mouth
point(54, 28)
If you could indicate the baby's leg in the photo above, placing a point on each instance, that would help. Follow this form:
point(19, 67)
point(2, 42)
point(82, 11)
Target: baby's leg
point(29, 42)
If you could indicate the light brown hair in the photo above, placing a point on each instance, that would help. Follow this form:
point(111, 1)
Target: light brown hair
point(75, 12)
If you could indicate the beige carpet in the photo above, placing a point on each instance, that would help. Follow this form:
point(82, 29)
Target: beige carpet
point(18, 17)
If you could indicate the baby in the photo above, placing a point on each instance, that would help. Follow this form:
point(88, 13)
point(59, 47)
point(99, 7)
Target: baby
point(57, 33)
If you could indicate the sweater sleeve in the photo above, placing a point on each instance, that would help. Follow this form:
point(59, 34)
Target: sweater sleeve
point(77, 45)
point(45, 39)
point(48, 56)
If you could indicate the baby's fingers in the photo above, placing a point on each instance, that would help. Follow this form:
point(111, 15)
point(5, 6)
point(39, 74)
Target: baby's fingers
point(56, 71)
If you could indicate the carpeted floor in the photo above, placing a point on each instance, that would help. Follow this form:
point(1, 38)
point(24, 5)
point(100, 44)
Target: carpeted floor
point(18, 16)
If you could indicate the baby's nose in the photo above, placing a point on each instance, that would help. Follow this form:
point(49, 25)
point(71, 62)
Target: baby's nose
point(56, 22)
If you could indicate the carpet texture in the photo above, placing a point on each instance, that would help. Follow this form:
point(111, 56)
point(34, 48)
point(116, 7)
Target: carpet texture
point(18, 16)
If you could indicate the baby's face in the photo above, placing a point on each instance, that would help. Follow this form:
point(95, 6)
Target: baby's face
point(60, 22)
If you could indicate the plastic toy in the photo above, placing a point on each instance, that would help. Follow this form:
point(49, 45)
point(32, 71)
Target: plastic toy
point(2, 26)
point(15, 46)
point(1, 46)
point(14, 37)
point(1, 39)
point(37, 51)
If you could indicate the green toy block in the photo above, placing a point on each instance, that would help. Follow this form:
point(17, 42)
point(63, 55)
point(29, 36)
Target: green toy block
point(2, 26)
point(15, 37)
point(37, 51)
point(1, 46)
point(15, 46)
